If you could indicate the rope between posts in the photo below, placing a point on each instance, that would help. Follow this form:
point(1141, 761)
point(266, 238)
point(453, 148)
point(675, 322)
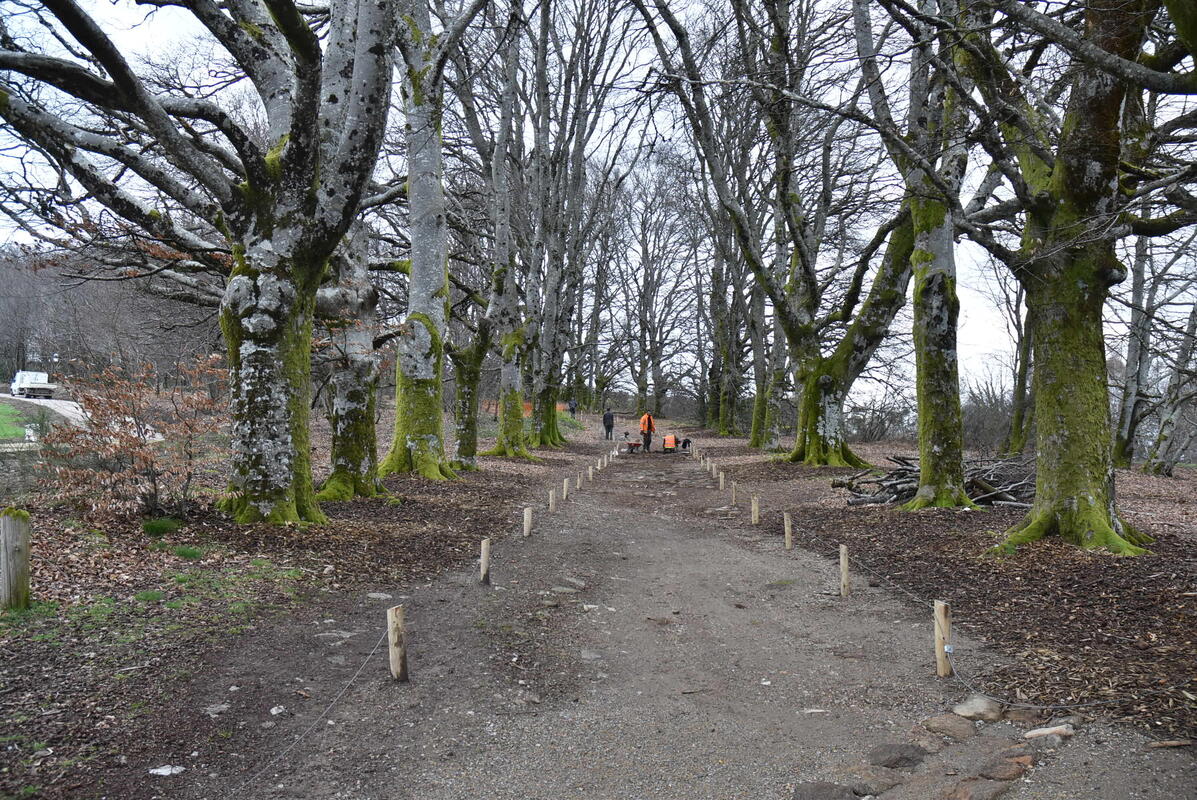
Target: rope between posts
point(315, 722)
point(965, 680)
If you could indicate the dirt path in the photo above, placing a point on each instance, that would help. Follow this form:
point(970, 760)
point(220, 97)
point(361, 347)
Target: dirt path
point(633, 647)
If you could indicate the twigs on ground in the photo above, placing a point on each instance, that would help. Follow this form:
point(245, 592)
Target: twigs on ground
point(1006, 482)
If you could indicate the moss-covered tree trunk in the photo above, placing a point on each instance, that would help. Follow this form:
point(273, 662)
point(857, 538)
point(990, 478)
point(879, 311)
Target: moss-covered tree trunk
point(267, 320)
point(348, 310)
point(826, 380)
point(1020, 412)
point(419, 440)
point(547, 430)
point(467, 370)
point(1069, 271)
point(936, 311)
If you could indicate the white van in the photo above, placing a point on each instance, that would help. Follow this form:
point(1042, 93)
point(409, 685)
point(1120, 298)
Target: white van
point(32, 384)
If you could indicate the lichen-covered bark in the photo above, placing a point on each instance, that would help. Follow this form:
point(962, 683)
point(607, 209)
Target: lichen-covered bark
point(1070, 267)
point(826, 380)
point(354, 438)
point(547, 430)
point(267, 323)
point(511, 440)
point(1074, 489)
point(419, 442)
point(936, 310)
point(468, 377)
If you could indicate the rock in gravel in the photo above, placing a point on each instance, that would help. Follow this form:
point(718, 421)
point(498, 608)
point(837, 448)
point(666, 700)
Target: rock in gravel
point(973, 789)
point(379, 596)
point(216, 709)
point(581, 584)
point(591, 655)
point(167, 770)
point(1075, 720)
point(822, 790)
point(1057, 730)
point(953, 726)
point(925, 739)
point(1004, 769)
point(896, 755)
point(565, 590)
point(1050, 742)
point(1022, 716)
point(978, 706)
point(866, 779)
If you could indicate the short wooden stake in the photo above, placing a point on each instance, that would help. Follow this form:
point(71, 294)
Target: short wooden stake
point(565, 489)
point(527, 520)
point(14, 559)
point(756, 510)
point(721, 481)
point(845, 588)
point(733, 493)
point(397, 645)
point(579, 486)
point(484, 564)
point(552, 499)
point(943, 639)
point(789, 530)
point(590, 472)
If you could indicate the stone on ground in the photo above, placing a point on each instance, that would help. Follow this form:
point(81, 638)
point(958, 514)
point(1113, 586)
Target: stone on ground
point(822, 790)
point(868, 779)
point(953, 726)
point(1055, 730)
point(896, 755)
point(978, 706)
point(1004, 769)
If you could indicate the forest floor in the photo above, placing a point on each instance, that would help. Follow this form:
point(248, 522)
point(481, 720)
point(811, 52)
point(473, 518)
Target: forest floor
point(646, 641)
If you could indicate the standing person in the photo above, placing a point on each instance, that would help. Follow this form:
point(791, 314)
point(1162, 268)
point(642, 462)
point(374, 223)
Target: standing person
point(647, 429)
point(608, 424)
point(573, 408)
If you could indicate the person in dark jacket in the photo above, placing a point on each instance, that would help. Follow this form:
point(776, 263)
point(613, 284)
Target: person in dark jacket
point(609, 424)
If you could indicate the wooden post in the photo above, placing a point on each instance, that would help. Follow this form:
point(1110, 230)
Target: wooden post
point(943, 638)
point(590, 472)
point(565, 489)
point(484, 564)
point(579, 486)
point(721, 481)
point(397, 645)
point(552, 499)
point(14, 559)
point(756, 510)
point(789, 531)
point(845, 588)
point(733, 493)
point(527, 520)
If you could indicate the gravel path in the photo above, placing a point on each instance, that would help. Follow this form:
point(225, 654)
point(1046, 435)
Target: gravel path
point(629, 649)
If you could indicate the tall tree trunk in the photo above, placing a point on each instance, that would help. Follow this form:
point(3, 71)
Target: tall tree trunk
point(267, 319)
point(1164, 449)
point(760, 366)
point(1136, 371)
point(419, 441)
point(1067, 279)
point(353, 365)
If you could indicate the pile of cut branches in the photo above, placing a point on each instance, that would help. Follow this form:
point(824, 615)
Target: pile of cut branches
point(990, 481)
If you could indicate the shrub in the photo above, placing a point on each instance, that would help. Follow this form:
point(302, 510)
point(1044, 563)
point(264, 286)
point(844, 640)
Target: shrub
point(140, 450)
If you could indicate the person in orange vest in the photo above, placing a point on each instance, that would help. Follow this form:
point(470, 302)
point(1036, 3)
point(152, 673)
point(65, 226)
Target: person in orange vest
point(647, 429)
point(669, 443)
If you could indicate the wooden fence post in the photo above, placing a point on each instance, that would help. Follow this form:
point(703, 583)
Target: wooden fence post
point(552, 499)
point(527, 520)
point(14, 558)
point(396, 644)
point(845, 588)
point(756, 510)
point(484, 564)
point(943, 638)
point(565, 489)
point(789, 530)
point(733, 502)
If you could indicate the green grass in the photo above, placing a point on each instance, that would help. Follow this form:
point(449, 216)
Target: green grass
point(564, 420)
point(189, 553)
point(151, 596)
point(12, 423)
point(161, 526)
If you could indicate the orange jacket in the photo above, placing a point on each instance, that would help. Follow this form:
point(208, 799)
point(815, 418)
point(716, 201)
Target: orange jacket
point(669, 441)
point(647, 425)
